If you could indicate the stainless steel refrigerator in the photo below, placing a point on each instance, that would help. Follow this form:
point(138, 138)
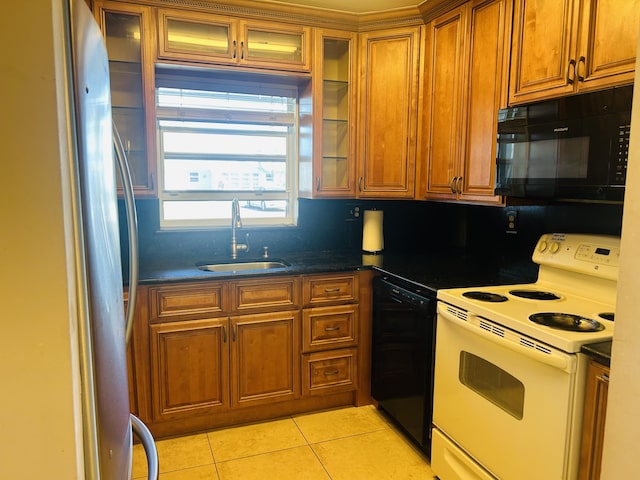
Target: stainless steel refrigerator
point(107, 422)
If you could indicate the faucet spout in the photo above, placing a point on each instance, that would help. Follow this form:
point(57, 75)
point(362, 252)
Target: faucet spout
point(236, 222)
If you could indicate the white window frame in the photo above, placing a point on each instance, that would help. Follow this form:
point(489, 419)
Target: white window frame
point(223, 116)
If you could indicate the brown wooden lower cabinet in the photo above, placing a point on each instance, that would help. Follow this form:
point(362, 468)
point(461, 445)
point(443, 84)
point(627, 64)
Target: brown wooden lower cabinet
point(265, 355)
point(595, 409)
point(190, 368)
point(212, 354)
point(329, 372)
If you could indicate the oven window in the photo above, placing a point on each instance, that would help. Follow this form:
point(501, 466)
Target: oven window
point(490, 381)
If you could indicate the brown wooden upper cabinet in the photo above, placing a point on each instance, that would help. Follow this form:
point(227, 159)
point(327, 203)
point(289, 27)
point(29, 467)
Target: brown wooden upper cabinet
point(387, 112)
point(466, 73)
point(566, 46)
point(127, 29)
point(328, 159)
point(219, 39)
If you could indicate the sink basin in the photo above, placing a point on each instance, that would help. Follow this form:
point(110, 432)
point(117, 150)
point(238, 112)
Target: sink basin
point(243, 266)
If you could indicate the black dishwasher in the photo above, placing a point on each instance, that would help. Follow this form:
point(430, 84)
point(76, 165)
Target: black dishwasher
point(403, 341)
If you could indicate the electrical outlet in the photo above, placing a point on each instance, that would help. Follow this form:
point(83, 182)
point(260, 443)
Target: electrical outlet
point(512, 221)
point(353, 212)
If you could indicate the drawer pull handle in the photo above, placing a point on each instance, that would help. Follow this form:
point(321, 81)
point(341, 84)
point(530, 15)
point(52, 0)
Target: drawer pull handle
point(329, 373)
point(331, 329)
point(332, 290)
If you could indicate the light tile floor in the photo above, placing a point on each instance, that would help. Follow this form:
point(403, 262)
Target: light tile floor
point(343, 444)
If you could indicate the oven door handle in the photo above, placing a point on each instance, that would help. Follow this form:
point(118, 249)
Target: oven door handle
point(553, 359)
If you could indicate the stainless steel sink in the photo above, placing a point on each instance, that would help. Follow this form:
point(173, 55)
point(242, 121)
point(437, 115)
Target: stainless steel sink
point(243, 266)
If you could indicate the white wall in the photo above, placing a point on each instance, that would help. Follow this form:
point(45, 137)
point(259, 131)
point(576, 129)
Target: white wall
point(621, 459)
point(40, 431)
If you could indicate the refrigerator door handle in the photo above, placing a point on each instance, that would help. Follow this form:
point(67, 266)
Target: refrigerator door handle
point(141, 431)
point(132, 226)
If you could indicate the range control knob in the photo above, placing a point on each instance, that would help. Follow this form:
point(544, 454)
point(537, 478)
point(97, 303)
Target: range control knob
point(542, 246)
point(555, 246)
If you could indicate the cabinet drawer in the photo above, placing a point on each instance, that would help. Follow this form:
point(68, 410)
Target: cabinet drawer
point(329, 327)
point(271, 293)
point(329, 372)
point(186, 301)
point(318, 290)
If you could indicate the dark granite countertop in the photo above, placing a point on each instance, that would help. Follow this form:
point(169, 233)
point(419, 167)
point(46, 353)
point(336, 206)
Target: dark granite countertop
point(600, 352)
point(168, 270)
point(433, 270)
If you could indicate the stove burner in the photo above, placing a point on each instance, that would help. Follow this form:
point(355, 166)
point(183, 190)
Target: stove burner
point(534, 294)
point(485, 296)
point(566, 321)
point(607, 316)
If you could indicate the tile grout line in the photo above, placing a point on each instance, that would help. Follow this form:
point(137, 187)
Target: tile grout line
point(315, 454)
point(213, 456)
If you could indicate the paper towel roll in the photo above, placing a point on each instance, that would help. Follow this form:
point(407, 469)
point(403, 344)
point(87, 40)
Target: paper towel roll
point(372, 235)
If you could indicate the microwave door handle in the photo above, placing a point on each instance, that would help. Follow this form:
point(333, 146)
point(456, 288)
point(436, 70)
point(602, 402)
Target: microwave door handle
point(132, 226)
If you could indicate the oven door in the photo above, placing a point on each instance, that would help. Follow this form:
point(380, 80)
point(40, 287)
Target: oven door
point(509, 408)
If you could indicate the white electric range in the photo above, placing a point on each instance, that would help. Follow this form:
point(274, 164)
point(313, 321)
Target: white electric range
point(509, 378)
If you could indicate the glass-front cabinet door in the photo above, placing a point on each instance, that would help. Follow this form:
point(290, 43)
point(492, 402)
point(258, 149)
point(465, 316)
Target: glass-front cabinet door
point(334, 113)
point(198, 37)
point(278, 46)
point(208, 38)
point(124, 28)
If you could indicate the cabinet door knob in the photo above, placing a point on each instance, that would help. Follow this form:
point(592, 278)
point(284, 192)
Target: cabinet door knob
point(571, 68)
point(452, 185)
point(581, 61)
point(224, 334)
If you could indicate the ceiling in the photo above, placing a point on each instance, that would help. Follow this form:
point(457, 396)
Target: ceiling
point(355, 6)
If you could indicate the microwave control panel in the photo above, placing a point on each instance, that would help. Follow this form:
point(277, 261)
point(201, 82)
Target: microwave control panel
point(619, 174)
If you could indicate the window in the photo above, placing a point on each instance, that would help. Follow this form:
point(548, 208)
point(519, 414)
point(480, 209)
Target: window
point(219, 140)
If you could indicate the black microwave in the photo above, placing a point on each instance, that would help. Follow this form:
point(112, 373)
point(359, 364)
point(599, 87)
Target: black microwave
point(573, 148)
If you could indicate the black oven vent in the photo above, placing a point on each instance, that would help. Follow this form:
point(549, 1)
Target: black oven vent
point(491, 328)
point(456, 312)
point(527, 342)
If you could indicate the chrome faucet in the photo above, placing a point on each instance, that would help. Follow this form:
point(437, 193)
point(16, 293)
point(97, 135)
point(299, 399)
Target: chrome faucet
point(236, 222)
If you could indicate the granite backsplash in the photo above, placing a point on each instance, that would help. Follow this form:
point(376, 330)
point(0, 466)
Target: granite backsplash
point(409, 226)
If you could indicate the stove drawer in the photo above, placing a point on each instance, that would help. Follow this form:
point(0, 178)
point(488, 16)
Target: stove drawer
point(452, 463)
